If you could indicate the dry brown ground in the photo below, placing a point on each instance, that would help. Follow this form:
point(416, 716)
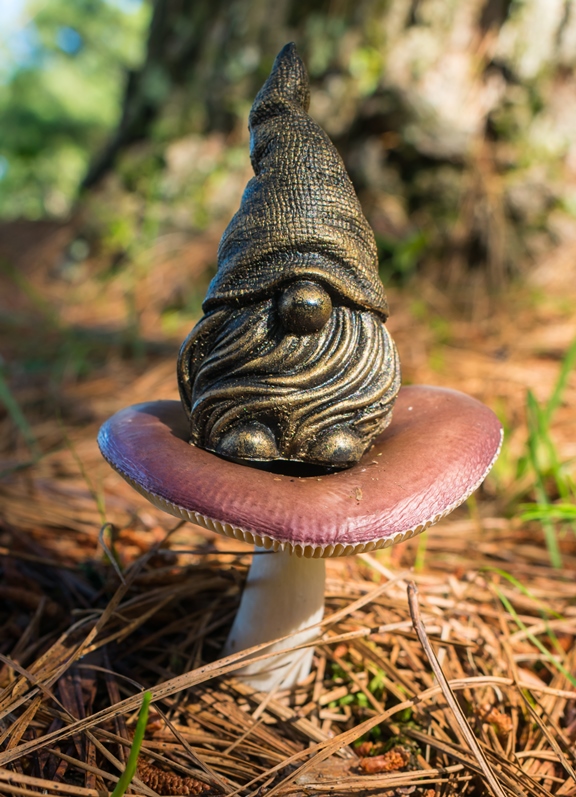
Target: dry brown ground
point(77, 646)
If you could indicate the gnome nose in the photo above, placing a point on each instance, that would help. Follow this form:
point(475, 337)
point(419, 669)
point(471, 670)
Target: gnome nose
point(304, 307)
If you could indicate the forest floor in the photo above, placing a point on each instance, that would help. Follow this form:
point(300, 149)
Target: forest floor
point(81, 638)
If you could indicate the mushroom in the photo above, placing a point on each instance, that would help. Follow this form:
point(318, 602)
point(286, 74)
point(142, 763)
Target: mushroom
point(437, 450)
point(291, 366)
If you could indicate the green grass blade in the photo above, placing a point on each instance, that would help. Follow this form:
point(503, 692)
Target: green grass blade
point(31, 292)
point(96, 494)
point(568, 363)
point(543, 442)
point(132, 763)
point(524, 590)
point(18, 417)
point(535, 641)
point(110, 550)
point(564, 483)
point(536, 423)
point(561, 512)
point(420, 558)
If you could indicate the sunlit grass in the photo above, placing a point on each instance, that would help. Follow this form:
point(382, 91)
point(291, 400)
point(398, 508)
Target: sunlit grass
point(132, 762)
point(554, 488)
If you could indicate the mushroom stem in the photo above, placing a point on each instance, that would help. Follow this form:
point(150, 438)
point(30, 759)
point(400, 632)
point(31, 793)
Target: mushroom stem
point(284, 594)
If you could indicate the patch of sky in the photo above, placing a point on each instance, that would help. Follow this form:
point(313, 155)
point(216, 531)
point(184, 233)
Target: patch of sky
point(3, 167)
point(10, 14)
point(128, 6)
point(69, 40)
point(18, 39)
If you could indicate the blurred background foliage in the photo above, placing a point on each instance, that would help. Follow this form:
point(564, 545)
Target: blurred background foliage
point(62, 71)
point(455, 119)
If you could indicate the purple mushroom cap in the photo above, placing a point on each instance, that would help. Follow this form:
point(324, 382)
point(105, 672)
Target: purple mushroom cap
point(437, 450)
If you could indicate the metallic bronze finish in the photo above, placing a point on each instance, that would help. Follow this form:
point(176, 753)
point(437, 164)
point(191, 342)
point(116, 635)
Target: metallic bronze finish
point(304, 307)
point(292, 360)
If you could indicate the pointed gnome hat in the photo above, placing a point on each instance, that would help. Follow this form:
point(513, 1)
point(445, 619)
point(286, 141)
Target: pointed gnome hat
point(299, 217)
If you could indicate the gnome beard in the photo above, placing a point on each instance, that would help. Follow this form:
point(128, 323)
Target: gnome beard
point(258, 392)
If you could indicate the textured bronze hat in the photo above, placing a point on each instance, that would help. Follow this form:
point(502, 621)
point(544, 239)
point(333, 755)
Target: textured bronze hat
point(299, 217)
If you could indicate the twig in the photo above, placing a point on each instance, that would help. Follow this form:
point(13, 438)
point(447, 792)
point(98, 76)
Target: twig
point(447, 692)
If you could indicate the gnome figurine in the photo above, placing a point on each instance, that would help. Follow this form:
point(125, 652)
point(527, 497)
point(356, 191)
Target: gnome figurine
point(292, 359)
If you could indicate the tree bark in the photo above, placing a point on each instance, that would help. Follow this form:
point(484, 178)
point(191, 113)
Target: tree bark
point(449, 116)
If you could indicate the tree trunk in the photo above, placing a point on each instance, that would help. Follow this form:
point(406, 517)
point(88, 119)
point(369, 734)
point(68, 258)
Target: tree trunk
point(455, 119)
